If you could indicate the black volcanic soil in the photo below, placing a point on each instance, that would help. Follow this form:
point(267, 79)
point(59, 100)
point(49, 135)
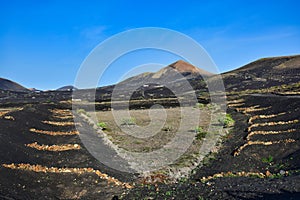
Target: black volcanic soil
point(10, 85)
point(285, 157)
point(274, 149)
point(264, 73)
point(21, 184)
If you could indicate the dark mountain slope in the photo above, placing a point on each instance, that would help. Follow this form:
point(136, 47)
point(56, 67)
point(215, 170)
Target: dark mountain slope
point(10, 85)
point(264, 73)
point(67, 88)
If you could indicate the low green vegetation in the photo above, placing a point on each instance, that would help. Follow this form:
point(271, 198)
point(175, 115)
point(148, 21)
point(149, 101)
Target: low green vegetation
point(226, 121)
point(102, 125)
point(80, 111)
point(208, 158)
point(200, 133)
point(168, 193)
point(128, 121)
point(210, 106)
point(200, 105)
point(268, 160)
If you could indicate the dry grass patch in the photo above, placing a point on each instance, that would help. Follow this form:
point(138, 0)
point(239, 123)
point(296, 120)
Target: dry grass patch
point(44, 169)
point(256, 108)
point(63, 147)
point(8, 117)
point(242, 174)
point(235, 104)
point(4, 111)
point(61, 111)
point(54, 132)
point(272, 124)
point(142, 119)
point(252, 118)
point(268, 133)
point(161, 135)
point(63, 117)
point(66, 102)
point(55, 123)
point(289, 93)
point(249, 143)
point(236, 101)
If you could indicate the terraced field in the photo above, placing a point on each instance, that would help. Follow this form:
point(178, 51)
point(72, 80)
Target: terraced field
point(43, 157)
point(273, 124)
point(42, 154)
point(259, 158)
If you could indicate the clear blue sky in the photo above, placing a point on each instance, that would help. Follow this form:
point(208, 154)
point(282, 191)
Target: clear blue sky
point(43, 43)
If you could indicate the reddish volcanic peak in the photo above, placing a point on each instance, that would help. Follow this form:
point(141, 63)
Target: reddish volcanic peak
point(182, 66)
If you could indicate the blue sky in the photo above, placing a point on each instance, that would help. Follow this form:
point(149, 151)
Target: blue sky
point(43, 43)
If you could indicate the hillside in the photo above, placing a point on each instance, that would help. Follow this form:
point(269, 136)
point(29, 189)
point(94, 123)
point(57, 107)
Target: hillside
point(67, 88)
point(179, 76)
point(171, 73)
point(261, 74)
point(44, 152)
point(6, 84)
point(264, 73)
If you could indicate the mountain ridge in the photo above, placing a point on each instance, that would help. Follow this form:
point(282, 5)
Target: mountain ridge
point(6, 84)
point(171, 72)
point(264, 72)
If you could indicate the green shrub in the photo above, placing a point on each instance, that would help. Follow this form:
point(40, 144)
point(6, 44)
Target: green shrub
point(227, 121)
point(200, 105)
point(168, 193)
point(128, 121)
point(210, 106)
point(80, 111)
point(268, 160)
point(214, 106)
point(102, 125)
point(200, 133)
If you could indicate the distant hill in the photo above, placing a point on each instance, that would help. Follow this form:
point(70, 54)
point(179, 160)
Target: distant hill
point(182, 67)
point(67, 88)
point(34, 90)
point(179, 76)
point(172, 73)
point(6, 84)
point(264, 73)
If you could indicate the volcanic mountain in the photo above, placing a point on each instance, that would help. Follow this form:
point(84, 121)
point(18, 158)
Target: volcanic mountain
point(179, 76)
point(182, 67)
point(6, 84)
point(173, 73)
point(42, 154)
point(264, 73)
